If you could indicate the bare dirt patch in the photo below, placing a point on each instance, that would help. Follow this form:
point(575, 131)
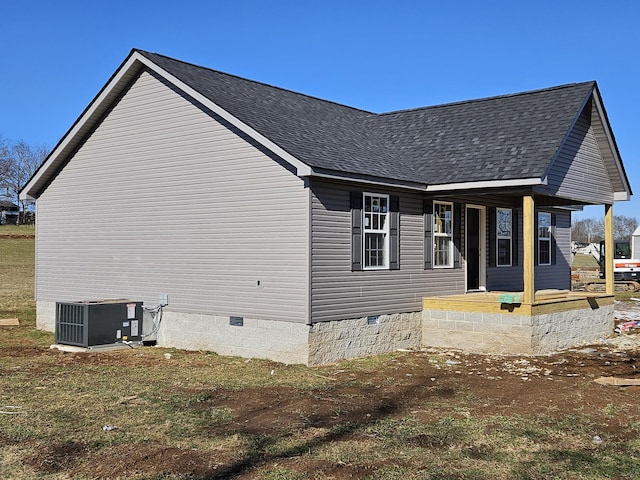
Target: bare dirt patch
point(17, 235)
point(420, 384)
point(264, 429)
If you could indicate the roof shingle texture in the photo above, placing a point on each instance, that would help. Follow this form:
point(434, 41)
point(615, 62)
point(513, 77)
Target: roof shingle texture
point(500, 138)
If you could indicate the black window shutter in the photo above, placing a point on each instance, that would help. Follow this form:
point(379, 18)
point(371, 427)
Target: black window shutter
point(536, 241)
point(493, 237)
point(514, 237)
point(457, 235)
point(428, 234)
point(553, 239)
point(394, 232)
point(356, 231)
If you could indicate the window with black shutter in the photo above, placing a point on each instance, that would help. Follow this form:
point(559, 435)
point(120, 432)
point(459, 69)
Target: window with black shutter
point(375, 231)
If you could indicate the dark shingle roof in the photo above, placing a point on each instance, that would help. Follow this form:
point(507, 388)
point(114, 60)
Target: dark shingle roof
point(505, 138)
point(7, 205)
point(500, 138)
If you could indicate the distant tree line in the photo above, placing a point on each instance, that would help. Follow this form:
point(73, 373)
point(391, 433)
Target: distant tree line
point(589, 230)
point(18, 162)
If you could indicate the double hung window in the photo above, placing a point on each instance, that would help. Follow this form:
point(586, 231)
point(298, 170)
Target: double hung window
point(442, 235)
point(376, 231)
point(504, 234)
point(544, 238)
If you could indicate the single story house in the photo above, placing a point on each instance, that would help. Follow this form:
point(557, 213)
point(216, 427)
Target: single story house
point(287, 227)
point(9, 212)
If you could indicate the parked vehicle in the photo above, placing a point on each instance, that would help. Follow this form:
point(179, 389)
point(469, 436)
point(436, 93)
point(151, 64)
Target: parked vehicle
point(626, 268)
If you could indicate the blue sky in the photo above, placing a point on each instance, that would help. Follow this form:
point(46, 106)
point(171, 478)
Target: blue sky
point(375, 55)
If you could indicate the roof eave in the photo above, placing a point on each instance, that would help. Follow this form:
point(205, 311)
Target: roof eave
point(367, 179)
point(517, 182)
point(614, 147)
point(69, 142)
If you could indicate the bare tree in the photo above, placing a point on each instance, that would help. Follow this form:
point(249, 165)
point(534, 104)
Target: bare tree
point(623, 227)
point(5, 159)
point(18, 162)
point(589, 230)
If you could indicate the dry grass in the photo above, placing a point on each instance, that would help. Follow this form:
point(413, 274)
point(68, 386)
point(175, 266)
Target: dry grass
point(197, 415)
point(17, 273)
point(582, 260)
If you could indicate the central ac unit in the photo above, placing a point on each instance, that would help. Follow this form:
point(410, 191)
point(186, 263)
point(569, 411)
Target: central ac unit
point(92, 323)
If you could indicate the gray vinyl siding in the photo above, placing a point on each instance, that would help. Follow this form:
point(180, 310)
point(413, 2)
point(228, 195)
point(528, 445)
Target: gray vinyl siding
point(579, 170)
point(559, 274)
point(339, 293)
point(163, 198)
point(510, 279)
point(556, 276)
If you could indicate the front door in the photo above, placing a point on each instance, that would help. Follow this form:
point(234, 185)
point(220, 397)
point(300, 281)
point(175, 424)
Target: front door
point(475, 240)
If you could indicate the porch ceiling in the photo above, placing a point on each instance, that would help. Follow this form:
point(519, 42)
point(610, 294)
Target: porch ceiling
point(508, 197)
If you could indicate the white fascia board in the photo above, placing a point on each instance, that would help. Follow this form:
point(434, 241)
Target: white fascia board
point(23, 195)
point(621, 196)
point(77, 127)
point(370, 181)
point(302, 169)
point(521, 182)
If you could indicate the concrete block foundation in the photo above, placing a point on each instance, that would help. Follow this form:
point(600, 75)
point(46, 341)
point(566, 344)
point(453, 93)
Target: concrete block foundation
point(509, 333)
point(538, 329)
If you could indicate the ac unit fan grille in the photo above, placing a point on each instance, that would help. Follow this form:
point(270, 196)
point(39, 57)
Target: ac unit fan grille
point(71, 325)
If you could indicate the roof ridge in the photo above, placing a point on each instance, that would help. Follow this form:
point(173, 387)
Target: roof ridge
point(256, 82)
point(486, 99)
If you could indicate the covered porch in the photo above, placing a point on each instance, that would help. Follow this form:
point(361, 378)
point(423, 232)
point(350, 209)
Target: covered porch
point(527, 320)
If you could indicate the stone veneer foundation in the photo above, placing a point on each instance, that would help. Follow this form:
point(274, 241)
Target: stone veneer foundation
point(333, 341)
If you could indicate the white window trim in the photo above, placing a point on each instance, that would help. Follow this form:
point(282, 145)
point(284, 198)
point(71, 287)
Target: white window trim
point(544, 239)
point(384, 231)
point(435, 235)
point(504, 237)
